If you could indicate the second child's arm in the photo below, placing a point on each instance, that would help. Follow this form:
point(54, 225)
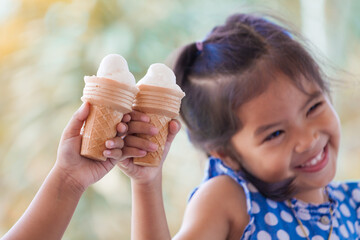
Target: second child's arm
point(217, 210)
point(148, 214)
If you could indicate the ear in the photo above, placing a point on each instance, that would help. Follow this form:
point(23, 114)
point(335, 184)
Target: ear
point(226, 159)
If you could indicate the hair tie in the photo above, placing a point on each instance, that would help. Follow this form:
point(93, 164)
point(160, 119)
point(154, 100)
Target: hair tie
point(199, 46)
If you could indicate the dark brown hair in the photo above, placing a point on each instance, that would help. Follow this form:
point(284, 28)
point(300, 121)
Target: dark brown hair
point(234, 64)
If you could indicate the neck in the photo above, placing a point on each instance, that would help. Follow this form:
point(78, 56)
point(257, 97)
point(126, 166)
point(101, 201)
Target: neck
point(315, 196)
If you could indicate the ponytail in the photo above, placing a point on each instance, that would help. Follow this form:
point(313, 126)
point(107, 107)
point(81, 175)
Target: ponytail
point(184, 64)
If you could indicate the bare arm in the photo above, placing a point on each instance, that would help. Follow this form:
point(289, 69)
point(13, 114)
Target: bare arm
point(216, 211)
point(51, 210)
point(148, 214)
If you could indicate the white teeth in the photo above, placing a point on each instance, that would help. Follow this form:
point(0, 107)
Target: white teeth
point(314, 161)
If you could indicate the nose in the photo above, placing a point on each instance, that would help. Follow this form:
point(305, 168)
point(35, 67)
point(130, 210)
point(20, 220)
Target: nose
point(306, 140)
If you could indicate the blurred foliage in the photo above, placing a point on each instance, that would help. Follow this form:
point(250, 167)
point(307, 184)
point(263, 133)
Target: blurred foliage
point(47, 46)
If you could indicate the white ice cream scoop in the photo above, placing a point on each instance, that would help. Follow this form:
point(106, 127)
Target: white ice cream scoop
point(115, 67)
point(160, 75)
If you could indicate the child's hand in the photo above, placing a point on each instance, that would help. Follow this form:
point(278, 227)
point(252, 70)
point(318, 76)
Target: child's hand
point(138, 147)
point(81, 170)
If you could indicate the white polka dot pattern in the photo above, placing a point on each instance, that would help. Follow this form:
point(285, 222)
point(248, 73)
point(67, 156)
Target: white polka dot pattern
point(271, 203)
point(350, 226)
point(255, 207)
point(356, 195)
point(304, 215)
point(323, 227)
point(334, 236)
point(286, 216)
point(345, 210)
point(339, 195)
point(270, 219)
point(282, 235)
point(262, 235)
point(344, 231)
point(335, 222)
point(252, 188)
point(317, 237)
point(300, 232)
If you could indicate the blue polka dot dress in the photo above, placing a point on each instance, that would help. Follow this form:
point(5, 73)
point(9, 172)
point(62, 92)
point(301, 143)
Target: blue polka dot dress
point(276, 220)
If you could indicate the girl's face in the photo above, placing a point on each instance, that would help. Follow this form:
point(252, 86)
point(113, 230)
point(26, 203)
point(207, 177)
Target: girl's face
point(289, 133)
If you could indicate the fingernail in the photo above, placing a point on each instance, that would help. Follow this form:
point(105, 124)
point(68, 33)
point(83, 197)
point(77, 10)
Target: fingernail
point(81, 108)
point(107, 153)
point(145, 118)
point(142, 153)
point(123, 128)
point(153, 146)
point(154, 130)
point(109, 144)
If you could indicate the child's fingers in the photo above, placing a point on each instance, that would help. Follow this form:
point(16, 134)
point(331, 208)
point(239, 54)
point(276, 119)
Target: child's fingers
point(142, 127)
point(140, 143)
point(76, 122)
point(116, 154)
point(174, 128)
point(121, 129)
point(133, 152)
point(139, 116)
point(116, 142)
point(126, 118)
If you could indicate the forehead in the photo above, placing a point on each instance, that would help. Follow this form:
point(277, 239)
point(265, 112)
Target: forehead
point(281, 97)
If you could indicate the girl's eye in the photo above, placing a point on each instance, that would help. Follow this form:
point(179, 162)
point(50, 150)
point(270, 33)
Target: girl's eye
point(274, 135)
point(313, 108)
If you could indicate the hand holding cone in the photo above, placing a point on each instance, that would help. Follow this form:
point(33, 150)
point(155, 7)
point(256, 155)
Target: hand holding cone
point(160, 98)
point(112, 93)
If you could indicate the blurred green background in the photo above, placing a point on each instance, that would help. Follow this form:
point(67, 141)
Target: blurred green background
point(47, 46)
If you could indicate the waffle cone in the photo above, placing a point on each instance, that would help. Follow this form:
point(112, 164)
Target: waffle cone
point(161, 105)
point(99, 127)
point(110, 100)
point(153, 159)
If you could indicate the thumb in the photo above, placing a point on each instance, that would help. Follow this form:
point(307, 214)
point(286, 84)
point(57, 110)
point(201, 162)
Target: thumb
point(75, 124)
point(174, 127)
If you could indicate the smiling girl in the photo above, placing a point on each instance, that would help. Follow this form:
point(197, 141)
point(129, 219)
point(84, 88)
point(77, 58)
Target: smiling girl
point(258, 104)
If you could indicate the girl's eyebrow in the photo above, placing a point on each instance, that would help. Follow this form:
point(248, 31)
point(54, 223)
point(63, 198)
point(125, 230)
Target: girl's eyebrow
point(264, 128)
point(312, 96)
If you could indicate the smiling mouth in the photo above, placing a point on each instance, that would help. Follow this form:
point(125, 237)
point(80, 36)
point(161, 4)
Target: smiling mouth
point(316, 163)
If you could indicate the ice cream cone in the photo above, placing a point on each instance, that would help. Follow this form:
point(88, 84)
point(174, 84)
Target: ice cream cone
point(161, 105)
point(99, 127)
point(111, 95)
point(110, 100)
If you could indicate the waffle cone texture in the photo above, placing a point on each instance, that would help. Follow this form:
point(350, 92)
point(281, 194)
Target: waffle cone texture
point(109, 100)
point(161, 105)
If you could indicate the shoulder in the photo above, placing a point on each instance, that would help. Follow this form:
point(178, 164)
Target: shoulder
point(219, 204)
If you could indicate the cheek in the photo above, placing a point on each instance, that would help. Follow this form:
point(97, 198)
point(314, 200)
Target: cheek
point(332, 123)
point(270, 167)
